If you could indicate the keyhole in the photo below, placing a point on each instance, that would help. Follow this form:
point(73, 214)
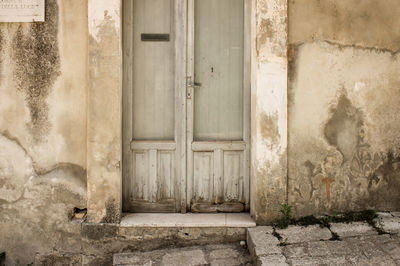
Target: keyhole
point(212, 70)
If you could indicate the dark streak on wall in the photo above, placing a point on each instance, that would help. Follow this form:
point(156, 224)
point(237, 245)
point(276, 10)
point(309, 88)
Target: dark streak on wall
point(37, 66)
point(386, 175)
point(113, 212)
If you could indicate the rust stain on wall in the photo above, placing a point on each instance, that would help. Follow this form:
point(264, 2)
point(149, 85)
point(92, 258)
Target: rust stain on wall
point(37, 66)
point(328, 182)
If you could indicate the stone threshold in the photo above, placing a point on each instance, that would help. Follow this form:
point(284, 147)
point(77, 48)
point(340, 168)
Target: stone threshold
point(228, 220)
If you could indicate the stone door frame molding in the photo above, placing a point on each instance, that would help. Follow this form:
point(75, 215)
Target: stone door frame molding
point(268, 176)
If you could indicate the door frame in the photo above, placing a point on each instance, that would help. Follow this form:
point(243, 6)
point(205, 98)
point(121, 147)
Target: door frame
point(183, 19)
point(269, 84)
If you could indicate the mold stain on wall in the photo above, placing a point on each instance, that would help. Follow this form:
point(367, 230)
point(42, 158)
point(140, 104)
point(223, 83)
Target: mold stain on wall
point(37, 66)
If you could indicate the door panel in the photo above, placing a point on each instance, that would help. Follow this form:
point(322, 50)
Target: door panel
point(219, 180)
point(151, 181)
point(203, 176)
point(233, 176)
point(153, 189)
point(218, 133)
point(153, 71)
point(218, 66)
point(154, 186)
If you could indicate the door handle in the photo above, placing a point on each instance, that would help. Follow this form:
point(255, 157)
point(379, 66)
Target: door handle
point(192, 84)
point(196, 85)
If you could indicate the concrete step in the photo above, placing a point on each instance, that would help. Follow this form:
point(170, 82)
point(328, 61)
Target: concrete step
point(211, 231)
point(163, 230)
point(188, 220)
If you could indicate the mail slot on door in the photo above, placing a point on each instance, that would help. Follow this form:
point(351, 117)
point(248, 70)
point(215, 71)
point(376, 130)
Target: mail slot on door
point(155, 37)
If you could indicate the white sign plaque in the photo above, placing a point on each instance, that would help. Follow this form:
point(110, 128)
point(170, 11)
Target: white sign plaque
point(21, 10)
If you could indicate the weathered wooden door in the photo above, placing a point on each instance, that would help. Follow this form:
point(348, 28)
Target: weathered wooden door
point(186, 145)
point(154, 149)
point(217, 106)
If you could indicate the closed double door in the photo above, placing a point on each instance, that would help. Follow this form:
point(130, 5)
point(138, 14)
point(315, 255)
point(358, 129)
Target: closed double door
point(186, 106)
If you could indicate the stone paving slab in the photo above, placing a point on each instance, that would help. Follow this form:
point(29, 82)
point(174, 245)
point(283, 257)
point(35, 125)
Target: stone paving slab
point(352, 229)
point(261, 241)
point(318, 261)
point(276, 260)
point(298, 234)
point(390, 224)
point(396, 214)
point(185, 257)
point(385, 214)
point(224, 255)
point(358, 244)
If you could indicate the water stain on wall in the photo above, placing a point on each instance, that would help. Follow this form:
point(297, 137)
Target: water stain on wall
point(269, 128)
point(344, 127)
point(367, 23)
point(37, 66)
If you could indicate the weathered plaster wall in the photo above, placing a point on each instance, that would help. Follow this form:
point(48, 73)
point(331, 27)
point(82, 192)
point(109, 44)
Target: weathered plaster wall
point(268, 109)
point(43, 88)
point(344, 105)
point(104, 112)
point(343, 101)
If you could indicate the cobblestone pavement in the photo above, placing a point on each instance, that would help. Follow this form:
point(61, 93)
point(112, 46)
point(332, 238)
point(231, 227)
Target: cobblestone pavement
point(356, 243)
point(227, 254)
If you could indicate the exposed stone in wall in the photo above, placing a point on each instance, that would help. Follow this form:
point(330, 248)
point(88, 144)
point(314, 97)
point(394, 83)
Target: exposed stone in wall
point(37, 65)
